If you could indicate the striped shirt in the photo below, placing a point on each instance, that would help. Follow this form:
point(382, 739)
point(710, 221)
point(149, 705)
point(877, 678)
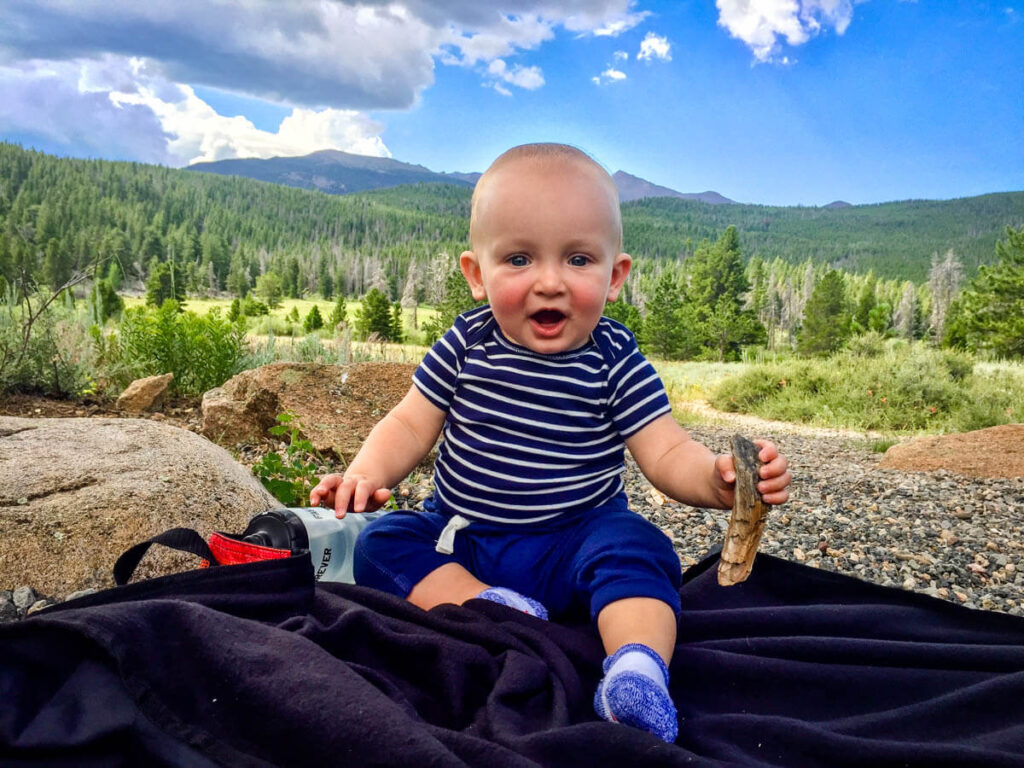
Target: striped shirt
point(529, 436)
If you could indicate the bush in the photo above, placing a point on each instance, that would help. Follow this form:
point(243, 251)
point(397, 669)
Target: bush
point(201, 351)
point(44, 346)
point(905, 387)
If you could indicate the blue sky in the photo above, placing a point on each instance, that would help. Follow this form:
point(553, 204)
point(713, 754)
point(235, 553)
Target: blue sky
point(781, 102)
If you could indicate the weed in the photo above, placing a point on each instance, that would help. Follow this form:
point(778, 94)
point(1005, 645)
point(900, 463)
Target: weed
point(290, 477)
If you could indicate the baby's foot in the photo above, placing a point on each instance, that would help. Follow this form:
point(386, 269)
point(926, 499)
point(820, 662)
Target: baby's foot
point(634, 691)
point(511, 598)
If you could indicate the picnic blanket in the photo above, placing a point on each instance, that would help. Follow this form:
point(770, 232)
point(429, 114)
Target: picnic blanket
point(257, 665)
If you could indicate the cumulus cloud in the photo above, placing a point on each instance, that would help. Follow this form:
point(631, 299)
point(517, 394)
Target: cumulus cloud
point(620, 56)
point(529, 78)
point(655, 47)
point(610, 75)
point(328, 60)
point(348, 54)
point(118, 106)
point(762, 25)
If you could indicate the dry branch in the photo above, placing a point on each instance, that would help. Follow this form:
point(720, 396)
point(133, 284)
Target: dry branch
point(748, 515)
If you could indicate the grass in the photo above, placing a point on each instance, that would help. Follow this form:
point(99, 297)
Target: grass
point(283, 328)
point(894, 388)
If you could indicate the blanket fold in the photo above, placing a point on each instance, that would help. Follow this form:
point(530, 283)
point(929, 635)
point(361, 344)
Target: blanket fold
point(258, 665)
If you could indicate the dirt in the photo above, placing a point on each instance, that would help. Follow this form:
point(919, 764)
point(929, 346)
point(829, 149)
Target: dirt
point(993, 452)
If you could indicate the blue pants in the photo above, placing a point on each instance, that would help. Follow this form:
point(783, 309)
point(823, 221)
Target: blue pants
point(581, 562)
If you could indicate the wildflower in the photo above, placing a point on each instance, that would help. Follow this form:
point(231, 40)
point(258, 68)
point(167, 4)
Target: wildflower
point(871, 392)
point(883, 399)
point(933, 409)
point(782, 382)
point(1009, 411)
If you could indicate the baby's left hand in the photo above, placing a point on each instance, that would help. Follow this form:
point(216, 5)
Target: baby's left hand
point(775, 474)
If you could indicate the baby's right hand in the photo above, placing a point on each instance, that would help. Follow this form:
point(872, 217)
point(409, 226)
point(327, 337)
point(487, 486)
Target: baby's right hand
point(349, 493)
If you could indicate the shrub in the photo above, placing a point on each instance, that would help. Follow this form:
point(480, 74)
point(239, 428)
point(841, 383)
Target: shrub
point(201, 351)
point(44, 346)
point(905, 387)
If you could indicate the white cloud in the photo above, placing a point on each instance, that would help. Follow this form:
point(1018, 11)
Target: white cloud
point(121, 103)
point(622, 24)
point(127, 69)
point(610, 75)
point(620, 56)
point(655, 47)
point(763, 23)
point(529, 78)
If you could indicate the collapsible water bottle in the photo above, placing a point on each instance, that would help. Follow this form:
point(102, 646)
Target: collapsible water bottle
point(329, 541)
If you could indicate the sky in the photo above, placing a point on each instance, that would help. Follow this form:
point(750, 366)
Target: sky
point(777, 102)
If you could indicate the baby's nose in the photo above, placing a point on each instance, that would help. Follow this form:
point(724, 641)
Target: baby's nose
point(549, 279)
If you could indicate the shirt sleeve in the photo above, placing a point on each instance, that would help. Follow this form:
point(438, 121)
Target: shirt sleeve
point(637, 396)
point(437, 373)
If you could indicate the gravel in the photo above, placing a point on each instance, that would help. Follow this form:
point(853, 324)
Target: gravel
point(949, 536)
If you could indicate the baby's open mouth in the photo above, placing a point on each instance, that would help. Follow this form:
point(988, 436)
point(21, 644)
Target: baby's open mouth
point(547, 317)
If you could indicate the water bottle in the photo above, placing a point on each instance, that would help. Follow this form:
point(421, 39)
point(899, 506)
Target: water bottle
point(329, 541)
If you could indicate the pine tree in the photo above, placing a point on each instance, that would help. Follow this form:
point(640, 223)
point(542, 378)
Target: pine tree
point(339, 315)
point(268, 288)
point(989, 314)
point(165, 283)
point(457, 299)
point(313, 321)
point(662, 332)
point(374, 316)
point(944, 281)
point(625, 313)
point(826, 323)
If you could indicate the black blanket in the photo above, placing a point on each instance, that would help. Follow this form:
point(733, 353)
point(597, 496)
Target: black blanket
point(254, 665)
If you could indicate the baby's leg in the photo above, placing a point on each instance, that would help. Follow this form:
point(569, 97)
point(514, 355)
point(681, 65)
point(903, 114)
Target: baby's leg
point(452, 583)
point(639, 635)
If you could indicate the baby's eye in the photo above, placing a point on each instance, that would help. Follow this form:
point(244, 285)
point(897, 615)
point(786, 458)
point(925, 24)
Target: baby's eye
point(517, 260)
point(579, 260)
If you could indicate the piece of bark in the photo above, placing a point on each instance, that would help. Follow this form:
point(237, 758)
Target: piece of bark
point(748, 515)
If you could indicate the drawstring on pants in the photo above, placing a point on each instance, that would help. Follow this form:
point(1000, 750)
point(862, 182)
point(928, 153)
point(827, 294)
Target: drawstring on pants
point(446, 541)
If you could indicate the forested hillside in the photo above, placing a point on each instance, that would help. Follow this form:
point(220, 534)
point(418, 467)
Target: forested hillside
point(59, 214)
point(895, 240)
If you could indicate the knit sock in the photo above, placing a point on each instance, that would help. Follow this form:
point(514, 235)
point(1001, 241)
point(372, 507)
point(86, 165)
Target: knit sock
point(511, 598)
point(634, 691)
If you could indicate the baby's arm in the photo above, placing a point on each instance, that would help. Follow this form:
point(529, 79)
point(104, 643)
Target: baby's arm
point(396, 444)
point(689, 472)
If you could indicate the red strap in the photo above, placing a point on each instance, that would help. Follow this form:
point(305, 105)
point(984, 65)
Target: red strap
point(229, 551)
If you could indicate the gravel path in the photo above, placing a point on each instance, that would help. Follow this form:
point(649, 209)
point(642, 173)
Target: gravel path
point(946, 535)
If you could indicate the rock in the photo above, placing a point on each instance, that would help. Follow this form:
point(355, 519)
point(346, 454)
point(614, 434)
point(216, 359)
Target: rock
point(8, 610)
point(94, 487)
point(37, 606)
point(336, 405)
point(947, 537)
point(144, 394)
point(24, 597)
point(992, 452)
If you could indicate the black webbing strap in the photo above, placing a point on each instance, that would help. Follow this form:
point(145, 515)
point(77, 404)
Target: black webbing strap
point(182, 539)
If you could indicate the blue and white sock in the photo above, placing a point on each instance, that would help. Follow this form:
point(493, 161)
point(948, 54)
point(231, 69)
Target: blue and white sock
point(511, 598)
point(634, 691)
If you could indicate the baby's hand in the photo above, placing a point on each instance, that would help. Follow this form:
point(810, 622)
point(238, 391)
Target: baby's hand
point(774, 471)
point(349, 493)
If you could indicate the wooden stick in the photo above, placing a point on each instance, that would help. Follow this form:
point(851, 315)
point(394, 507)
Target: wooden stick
point(748, 516)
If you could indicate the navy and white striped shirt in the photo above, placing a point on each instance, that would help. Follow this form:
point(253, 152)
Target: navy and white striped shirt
point(529, 436)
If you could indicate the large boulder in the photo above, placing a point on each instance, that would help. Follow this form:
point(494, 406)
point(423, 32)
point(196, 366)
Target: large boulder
point(992, 452)
point(78, 492)
point(336, 405)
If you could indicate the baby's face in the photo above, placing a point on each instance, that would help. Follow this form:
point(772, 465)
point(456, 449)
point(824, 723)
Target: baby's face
point(546, 251)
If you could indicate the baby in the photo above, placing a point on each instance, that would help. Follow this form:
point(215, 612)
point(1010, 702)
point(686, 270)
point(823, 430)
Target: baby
point(537, 396)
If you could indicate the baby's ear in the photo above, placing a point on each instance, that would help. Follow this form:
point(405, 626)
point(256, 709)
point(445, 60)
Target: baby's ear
point(620, 271)
point(470, 266)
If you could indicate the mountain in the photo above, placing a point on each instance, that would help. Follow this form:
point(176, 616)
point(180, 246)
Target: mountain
point(634, 188)
point(331, 171)
point(838, 204)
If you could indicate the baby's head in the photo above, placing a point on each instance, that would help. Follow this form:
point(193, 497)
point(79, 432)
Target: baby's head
point(546, 239)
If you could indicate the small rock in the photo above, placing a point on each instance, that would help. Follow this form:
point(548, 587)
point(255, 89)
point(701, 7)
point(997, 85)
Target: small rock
point(24, 597)
point(909, 582)
point(947, 537)
point(799, 554)
point(8, 610)
point(37, 606)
